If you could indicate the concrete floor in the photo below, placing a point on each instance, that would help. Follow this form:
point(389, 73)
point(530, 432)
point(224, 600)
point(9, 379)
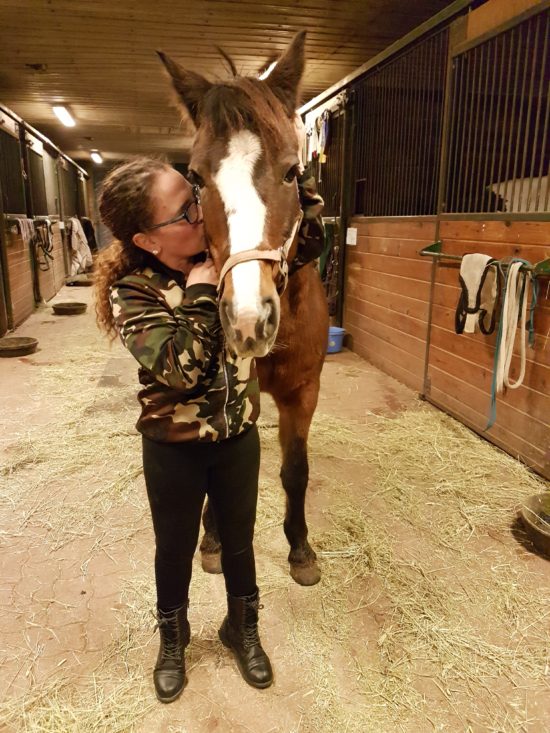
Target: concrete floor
point(76, 567)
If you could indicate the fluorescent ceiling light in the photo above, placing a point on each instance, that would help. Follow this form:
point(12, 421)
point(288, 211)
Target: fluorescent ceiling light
point(96, 157)
point(64, 116)
point(268, 71)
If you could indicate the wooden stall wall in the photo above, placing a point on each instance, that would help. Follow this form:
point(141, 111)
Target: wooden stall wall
point(20, 276)
point(387, 294)
point(461, 367)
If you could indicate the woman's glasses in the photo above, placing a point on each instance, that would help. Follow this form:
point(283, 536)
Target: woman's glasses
point(192, 213)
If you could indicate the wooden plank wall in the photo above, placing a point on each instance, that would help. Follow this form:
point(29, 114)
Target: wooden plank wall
point(52, 279)
point(387, 286)
point(20, 276)
point(386, 295)
point(461, 367)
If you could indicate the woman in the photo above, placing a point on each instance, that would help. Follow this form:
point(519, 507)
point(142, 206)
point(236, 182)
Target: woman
point(199, 405)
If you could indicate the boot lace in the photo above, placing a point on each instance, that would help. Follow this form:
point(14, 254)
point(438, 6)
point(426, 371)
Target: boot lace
point(171, 648)
point(250, 636)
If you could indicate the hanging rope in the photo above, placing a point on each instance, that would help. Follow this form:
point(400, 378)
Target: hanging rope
point(43, 243)
point(514, 299)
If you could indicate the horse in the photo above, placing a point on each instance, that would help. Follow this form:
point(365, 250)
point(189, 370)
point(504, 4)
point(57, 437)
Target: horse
point(245, 159)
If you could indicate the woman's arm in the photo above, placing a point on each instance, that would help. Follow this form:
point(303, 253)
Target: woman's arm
point(175, 346)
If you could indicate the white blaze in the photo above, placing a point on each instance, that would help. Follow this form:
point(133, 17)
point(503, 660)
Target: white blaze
point(245, 219)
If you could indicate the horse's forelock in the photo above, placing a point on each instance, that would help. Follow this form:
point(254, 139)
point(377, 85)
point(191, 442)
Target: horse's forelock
point(246, 104)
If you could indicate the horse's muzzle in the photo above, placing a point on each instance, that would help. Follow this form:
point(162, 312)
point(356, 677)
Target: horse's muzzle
point(251, 333)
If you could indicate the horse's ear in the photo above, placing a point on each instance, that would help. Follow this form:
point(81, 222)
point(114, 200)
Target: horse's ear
point(189, 86)
point(285, 78)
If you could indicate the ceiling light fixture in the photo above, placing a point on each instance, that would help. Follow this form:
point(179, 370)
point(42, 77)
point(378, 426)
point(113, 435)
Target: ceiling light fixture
point(63, 114)
point(96, 157)
point(268, 71)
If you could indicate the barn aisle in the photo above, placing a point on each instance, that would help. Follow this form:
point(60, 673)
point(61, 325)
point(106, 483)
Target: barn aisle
point(431, 614)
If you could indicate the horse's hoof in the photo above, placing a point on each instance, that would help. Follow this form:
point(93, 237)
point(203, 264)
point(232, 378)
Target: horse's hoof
point(305, 574)
point(211, 562)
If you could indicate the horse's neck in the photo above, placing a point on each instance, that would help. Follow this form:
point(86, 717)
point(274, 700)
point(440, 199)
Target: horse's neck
point(300, 302)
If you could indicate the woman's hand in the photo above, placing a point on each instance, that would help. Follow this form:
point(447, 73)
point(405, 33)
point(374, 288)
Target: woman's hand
point(203, 272)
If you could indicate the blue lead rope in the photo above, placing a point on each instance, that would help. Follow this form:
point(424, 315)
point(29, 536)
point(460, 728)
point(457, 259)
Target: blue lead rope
point(532, 306)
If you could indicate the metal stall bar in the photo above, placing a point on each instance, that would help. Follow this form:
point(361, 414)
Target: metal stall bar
point(388, 198)
point(429, 108)
point(460, 124)
point(534, 54)
point(449, 150)
point(492, 57)
point(545, 139)
point(385, 147)
point(469, 154)
point(536, 134)
point(498, 108)
point(365, 131)
point(449, 104)
point(408, 135)
point(474, 172)
point(518, 146)
point(417, 58)
point(431, 129)
point(539, 269)
point(509, 135)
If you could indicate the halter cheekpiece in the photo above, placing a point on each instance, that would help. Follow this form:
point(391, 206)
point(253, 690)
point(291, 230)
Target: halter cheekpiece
point(278, 256)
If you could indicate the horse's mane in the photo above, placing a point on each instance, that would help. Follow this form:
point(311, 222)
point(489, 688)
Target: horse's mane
point(245, 103)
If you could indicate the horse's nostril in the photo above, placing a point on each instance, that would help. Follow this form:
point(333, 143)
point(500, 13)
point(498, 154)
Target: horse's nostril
point(249, 343)
point(270, 310)
point(226, 311)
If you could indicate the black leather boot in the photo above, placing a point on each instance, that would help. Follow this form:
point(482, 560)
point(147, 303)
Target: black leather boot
point(169, 673)
point(239, 632)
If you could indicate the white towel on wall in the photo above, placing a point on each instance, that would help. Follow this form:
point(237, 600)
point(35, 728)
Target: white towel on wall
point(81, 255)
point(26, 228)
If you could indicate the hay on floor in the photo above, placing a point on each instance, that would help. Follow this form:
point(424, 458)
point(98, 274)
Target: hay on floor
point(421, 621)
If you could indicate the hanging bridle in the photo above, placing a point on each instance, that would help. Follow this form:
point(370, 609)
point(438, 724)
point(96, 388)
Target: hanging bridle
point(278, 256)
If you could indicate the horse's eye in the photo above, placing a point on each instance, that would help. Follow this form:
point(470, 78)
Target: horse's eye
point(195, 179)
point(291, 174)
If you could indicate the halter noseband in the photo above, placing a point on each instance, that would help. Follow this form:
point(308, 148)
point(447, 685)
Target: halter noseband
point(279, 256)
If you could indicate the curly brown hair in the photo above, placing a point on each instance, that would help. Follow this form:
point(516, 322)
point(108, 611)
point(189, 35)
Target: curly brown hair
point(125, 207)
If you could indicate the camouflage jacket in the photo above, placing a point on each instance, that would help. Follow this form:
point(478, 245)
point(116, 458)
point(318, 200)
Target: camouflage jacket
point(193, 389)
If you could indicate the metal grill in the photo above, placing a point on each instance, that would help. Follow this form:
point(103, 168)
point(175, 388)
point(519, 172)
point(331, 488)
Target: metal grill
point(82, 205)
point(499, 136)
point(69, 182)
point(398, 126)
point(50, 180)
point(38, 186)
point(329, 175)
point(11, 175)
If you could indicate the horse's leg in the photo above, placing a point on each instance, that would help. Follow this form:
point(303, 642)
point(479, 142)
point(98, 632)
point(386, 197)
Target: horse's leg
point(295, 414)
point(210, 546)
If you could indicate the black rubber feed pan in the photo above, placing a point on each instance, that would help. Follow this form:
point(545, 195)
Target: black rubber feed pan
point(69, 309)
point(17, 345)
point(535, 513)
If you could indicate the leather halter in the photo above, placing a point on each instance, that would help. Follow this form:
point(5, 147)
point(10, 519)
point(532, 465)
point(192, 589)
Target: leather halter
point(279, 256)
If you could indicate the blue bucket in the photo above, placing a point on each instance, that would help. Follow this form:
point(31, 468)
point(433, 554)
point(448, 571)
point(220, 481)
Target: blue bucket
point(335, 339)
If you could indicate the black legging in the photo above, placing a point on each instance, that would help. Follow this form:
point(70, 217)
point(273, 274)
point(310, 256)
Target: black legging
point(178, 476)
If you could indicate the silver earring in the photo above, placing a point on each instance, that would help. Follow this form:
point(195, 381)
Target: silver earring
point(155, 252)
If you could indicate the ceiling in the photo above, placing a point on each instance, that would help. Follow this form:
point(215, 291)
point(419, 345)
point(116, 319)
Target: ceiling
point(99, 58)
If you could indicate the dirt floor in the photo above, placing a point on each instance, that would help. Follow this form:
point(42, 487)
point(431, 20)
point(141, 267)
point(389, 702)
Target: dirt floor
point(432, 613)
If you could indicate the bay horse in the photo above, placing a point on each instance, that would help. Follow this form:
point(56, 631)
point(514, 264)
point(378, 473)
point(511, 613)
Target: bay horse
point(245, 159)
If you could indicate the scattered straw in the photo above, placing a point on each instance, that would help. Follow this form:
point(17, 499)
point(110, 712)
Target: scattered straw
point(427, 616)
